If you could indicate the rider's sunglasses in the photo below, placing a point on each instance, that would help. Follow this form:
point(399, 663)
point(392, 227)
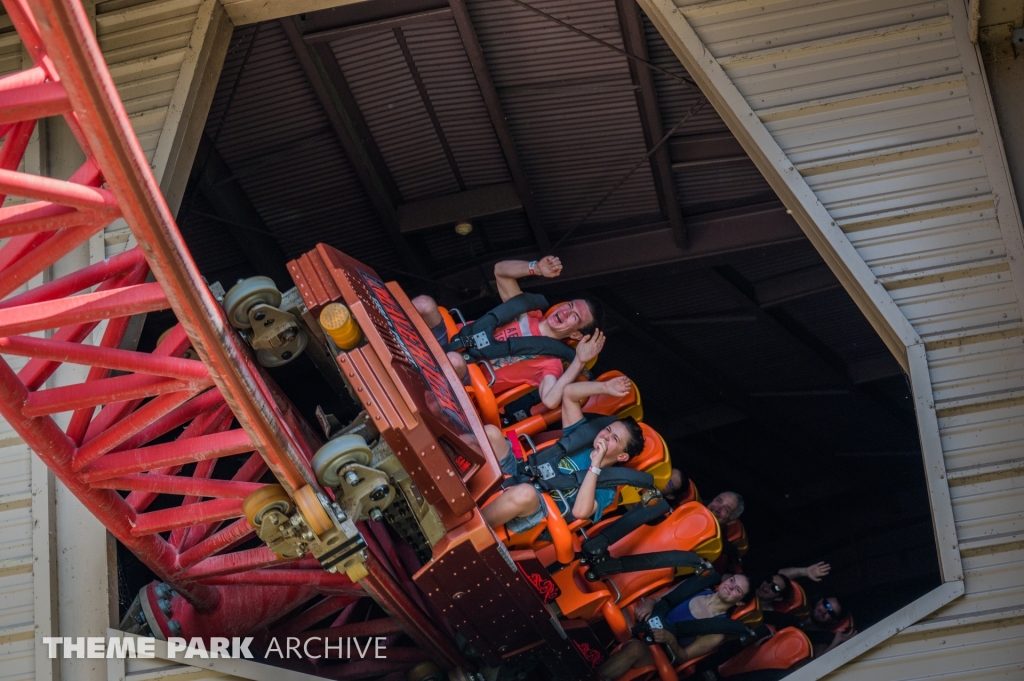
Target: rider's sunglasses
point(831, 611)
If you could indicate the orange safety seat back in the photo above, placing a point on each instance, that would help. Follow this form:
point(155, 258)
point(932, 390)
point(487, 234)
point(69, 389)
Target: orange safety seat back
point(557, 528)
point(451, 327)
point(630, 405)
point(662, 667)
point(562, 531)
point(692, 494)
point(736, 534)
point(781, 651)
point(653, 453)
point(514, 394)
point(844, 623)
point(482, 396)
point(796, 603)
point(690, 527)
point(749, 613)
point(579, 599)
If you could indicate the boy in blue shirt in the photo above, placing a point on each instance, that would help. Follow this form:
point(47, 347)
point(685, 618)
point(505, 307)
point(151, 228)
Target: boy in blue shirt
point(520, 508)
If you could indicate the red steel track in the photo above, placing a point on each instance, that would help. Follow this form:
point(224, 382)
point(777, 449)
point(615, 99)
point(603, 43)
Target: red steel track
point(104, 440)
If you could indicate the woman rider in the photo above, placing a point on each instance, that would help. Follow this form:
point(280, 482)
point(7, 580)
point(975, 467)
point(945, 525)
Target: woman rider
point(704, 605)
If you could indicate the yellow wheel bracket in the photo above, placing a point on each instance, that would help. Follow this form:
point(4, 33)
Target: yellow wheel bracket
point(357, 572)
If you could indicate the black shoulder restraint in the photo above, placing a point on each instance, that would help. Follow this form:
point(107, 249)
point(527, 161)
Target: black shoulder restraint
point(476, 339)
point(542, 470)
point(601, 564)
point(713, 625)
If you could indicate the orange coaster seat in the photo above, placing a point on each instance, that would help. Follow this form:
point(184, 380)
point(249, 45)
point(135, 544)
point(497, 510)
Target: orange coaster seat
point(691, 494)
point(736, 534)
point(780, 651)
point(451, 326)
point(748, 613)
point(564, 548)
point(630, 405)
point(662, 667)
point(653, 459)
point(490, 405)
point(796, 603)
point(482, 396)
point(844, 623)
point(560, 530)
point(690, 527)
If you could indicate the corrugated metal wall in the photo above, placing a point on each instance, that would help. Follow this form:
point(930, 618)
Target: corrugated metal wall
point(882, 109)
point(146, 45)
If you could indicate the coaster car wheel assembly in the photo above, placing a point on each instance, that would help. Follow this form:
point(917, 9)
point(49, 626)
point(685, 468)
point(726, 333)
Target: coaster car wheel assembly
point(252, 306)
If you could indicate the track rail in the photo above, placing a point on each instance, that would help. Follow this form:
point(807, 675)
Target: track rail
point(137, 418)
point(107, 443)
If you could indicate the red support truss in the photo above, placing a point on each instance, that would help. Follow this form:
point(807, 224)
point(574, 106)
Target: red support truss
point(128, 436)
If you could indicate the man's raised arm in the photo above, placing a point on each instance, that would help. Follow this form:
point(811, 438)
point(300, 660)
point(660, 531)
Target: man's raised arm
point(508, 272)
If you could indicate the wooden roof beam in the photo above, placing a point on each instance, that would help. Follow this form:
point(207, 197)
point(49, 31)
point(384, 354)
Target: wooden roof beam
point(795, 285)
point(450, 209)
point(478, 62)
point(328, 82)
point(635, 43)
point(713, 235)
point(389, 23)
